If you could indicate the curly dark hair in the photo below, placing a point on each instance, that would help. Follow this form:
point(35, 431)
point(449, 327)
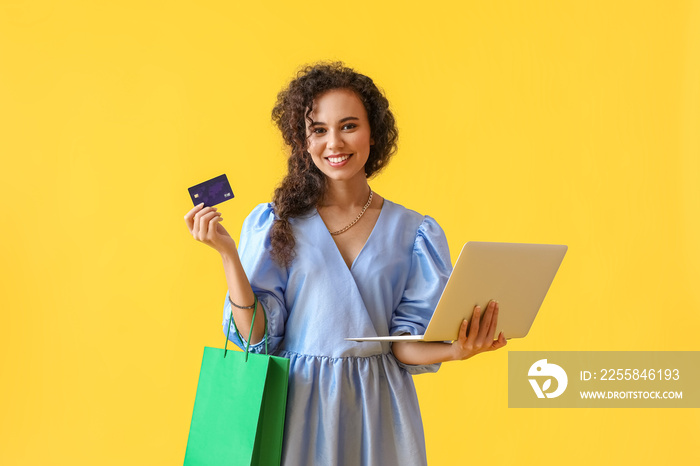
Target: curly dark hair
point(305, 184)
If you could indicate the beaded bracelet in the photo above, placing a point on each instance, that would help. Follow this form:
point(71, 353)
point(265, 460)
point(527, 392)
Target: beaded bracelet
point(242, 307)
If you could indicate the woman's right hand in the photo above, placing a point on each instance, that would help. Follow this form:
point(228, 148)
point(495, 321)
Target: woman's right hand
point(204, 225)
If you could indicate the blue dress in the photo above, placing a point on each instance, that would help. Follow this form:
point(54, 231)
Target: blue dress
point(349, 403)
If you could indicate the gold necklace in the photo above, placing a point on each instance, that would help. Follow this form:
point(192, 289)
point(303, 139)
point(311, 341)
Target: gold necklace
point(343, 230)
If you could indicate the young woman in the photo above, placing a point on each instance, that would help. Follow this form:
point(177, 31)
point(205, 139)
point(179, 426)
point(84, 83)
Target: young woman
point(329, 259)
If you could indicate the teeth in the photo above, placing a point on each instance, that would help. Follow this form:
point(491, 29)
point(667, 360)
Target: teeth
point(338, 159)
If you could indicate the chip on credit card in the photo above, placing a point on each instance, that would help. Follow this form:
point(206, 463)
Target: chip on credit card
point(211, 192)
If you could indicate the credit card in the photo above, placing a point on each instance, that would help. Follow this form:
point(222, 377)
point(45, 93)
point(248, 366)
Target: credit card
point(211, 192)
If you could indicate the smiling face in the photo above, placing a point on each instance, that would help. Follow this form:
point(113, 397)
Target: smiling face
point(339, 135)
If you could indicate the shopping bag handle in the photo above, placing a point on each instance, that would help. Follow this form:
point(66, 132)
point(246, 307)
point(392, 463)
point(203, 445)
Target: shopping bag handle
point(250, 335)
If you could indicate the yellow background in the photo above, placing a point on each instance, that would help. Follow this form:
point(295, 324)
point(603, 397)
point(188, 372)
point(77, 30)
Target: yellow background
point(554, 122)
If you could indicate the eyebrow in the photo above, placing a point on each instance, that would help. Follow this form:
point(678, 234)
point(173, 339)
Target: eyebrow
point(320, 123)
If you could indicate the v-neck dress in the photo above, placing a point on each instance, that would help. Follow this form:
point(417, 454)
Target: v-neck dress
point(349, 403)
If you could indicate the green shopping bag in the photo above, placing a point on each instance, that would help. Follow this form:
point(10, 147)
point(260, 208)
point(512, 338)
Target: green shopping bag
point(238, 415)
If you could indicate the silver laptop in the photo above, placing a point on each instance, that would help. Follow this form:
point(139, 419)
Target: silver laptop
point(517, 275)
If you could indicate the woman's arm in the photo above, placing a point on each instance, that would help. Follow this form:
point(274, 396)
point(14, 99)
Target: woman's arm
point(241, 293)
point(204, 225)
point(478, 339)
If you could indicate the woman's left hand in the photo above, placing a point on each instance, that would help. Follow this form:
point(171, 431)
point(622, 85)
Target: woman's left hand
point(481, 334)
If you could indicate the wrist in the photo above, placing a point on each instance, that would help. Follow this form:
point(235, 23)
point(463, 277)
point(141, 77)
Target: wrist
point(458, 352)
point(230, 256)
point(455, 352)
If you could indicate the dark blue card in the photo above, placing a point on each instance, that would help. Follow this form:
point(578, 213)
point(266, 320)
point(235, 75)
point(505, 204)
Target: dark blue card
point(211, 192)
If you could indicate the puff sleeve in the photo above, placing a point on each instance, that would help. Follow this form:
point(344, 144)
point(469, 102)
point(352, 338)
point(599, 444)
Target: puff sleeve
point(267, 278)
point(430, 269)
